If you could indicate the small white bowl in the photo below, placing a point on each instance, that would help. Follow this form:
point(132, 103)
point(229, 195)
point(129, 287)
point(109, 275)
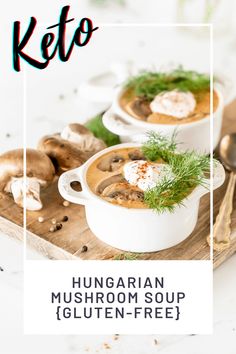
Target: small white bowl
point(130, 229)
point(190, 136)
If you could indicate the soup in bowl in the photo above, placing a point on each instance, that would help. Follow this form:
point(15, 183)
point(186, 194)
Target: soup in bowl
point(141, 109)
point(166, 102)
point(127, 203)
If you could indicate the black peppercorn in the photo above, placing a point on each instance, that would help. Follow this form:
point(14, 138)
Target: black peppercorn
point(58, 226)
point(65, 218)
point(84, 249)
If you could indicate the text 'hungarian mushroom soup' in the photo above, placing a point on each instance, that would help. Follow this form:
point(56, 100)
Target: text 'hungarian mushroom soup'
point(176, 97)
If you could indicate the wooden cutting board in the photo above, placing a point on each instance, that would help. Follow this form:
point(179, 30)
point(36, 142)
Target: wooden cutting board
point(68, 242)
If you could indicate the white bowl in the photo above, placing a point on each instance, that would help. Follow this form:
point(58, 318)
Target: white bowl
point(190, 136)
point(130, 229)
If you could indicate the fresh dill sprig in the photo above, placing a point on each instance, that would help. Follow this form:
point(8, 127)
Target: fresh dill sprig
point(187, 171)
point(126, 257)
point(149, 84)
point(158, 146)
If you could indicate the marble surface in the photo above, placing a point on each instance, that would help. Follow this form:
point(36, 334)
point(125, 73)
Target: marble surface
point(52, 101)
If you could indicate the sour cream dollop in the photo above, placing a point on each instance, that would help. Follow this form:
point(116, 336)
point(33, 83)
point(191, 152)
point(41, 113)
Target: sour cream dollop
point(143, 174)
point(174, 103)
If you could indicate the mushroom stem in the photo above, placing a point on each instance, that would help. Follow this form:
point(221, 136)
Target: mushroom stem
point(32, 193)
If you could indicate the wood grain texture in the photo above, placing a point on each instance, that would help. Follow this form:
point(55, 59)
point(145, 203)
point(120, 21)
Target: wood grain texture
point(75, 232)
point(68, 242)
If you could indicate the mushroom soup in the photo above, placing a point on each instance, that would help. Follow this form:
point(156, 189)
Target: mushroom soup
point(197, 104)
point(121, 177)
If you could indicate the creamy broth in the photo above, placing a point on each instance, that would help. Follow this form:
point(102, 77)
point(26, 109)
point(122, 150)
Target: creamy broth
point(201, 110)
point(103, 169)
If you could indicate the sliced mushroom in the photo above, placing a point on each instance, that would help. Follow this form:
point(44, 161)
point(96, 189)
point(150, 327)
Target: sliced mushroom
point(136, 155)
point(63, 154)
point(108, 181)
point(82, 138)
point(111, 163)
point(39, 173)
point(122, 191)
point(139, 108)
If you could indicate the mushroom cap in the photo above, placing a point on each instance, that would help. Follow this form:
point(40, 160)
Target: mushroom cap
point(64, 154)
point(78, 129)
point(83, 138)
point(38, 165)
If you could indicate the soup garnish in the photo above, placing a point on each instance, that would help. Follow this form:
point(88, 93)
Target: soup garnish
point(175, 97)
point(150, 84)
point(153, 176)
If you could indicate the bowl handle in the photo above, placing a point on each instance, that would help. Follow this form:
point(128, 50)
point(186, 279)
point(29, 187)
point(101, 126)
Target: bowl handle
point(117, 125)
point(101, 88)
point(64, 187)
point(218, 180)
point(226, 86)
point(218, 175)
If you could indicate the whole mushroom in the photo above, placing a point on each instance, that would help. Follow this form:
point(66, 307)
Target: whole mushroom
point(40, 172)
point(83, 138)
point(70, 149)
point(64, 155)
